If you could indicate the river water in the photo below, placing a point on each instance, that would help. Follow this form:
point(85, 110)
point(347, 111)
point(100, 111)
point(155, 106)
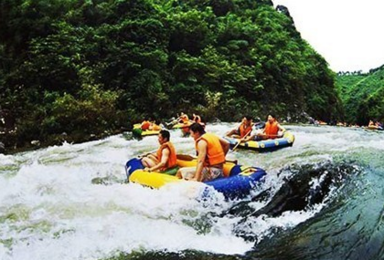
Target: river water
point(72, 202)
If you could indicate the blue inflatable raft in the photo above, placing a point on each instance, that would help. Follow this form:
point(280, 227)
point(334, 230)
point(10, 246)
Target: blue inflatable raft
point(238, 181)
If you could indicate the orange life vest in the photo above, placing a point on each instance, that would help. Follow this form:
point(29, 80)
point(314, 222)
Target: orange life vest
point(184, 118)
point(271, 130)
point(156, 127)
point(145, 125)
point(215, 152)
point(172, 159)
point(243, 129)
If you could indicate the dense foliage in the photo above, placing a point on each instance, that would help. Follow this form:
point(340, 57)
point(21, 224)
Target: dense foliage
point(362, 95)
point(87, 66)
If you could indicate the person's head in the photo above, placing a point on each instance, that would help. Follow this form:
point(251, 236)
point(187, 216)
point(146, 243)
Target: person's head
point(164, 136)
point(196, 130)
point(157, 122)
point(247, 120)
point(271, 118)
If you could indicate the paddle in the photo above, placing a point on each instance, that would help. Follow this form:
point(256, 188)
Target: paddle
point(234, 148)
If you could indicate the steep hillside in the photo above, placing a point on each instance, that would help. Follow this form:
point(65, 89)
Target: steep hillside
point(362, 95)
point(86, 67)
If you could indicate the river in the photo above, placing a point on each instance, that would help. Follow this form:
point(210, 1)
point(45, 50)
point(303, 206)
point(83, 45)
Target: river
point(72, 202)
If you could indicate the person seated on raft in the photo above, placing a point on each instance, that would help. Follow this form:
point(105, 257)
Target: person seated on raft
point(183, 118)
point(155, 126)
point(172, 121)
point(244, 128)
point(211, 151)
point(165, 157)
point(271, 130)
point(196, 118)
point(322, 122)
point(145, 124)
point(375, 124)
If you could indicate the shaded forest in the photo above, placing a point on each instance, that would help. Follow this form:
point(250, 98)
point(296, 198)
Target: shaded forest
point(82, 68)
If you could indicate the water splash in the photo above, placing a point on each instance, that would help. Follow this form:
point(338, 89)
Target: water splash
point(51, 207)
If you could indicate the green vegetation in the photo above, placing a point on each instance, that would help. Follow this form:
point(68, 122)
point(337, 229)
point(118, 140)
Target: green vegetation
point(362, 95)
point(89, 66)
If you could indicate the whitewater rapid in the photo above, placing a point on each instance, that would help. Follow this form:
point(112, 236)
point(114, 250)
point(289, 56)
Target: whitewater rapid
point(72, 201)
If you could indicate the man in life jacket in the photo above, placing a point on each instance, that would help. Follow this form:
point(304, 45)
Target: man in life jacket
point(165, 157)
point(271, 130)
point(243, 129)
point(211, 151)
point(183, 118)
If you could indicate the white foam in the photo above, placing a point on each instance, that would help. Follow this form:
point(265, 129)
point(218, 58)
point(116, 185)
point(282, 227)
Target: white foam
point(52, 210)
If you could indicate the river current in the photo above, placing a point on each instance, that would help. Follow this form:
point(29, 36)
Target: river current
point(72, 202)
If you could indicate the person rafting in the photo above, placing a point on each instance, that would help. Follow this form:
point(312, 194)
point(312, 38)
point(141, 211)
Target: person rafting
point(165, 157)
point(145, 124)
point(211, 151)
point(243, 129)
point(271, 130)
point(196, 118)
point(183, 118)
point(155, 126)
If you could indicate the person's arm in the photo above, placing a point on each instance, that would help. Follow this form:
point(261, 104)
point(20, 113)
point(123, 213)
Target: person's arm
point(249, 138)
point(202, 151)
point(282, 129)
point(163, 162)
point(233, 131)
